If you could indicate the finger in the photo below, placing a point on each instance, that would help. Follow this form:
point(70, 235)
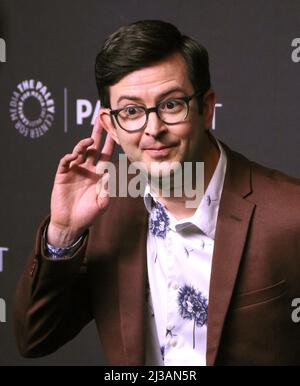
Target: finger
point(96, 136)
point(97, 133)
point(108, 148)
point(64, 164)
point(79, 160)
point(82, 146)
point(75, 157)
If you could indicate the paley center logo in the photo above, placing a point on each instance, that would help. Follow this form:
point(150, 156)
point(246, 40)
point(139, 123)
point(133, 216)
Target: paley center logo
point(32, 108)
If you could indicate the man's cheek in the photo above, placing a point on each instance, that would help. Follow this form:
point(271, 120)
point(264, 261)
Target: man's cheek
point(131, 151)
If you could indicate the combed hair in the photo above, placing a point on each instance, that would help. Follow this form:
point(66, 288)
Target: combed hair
point(142, 44)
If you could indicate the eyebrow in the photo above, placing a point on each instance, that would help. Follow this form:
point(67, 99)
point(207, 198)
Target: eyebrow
point(160, 96)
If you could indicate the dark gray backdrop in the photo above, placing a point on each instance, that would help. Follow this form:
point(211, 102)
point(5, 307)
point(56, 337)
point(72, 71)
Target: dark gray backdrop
point(253, 71)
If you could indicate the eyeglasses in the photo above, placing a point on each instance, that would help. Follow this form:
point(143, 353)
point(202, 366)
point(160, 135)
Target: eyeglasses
point(171, 112)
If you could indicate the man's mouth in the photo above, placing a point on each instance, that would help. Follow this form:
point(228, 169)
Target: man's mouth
point(159, 151)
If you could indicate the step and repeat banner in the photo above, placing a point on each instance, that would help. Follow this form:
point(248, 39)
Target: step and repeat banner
point(48, 102)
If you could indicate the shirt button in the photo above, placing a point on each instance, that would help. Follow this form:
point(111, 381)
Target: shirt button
point(175, 286)
point(173, 342)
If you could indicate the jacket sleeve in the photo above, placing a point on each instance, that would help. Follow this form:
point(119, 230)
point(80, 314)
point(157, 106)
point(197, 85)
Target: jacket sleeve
point(52, 302)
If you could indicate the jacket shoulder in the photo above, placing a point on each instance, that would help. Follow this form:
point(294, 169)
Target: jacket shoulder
point(274, 183)
point(275, 194)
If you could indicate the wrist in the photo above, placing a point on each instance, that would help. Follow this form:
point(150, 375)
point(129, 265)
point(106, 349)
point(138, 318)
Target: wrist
point(61, 237)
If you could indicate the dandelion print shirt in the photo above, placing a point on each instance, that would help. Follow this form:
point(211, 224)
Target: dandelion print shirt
point(179, 257)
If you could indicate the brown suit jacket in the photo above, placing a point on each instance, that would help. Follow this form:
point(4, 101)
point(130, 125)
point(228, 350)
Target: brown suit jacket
point(255, 276)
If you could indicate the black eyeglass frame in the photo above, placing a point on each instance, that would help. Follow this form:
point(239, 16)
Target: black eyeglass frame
point(154, 109)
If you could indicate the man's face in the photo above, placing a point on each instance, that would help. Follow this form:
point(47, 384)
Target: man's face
point(158, 142)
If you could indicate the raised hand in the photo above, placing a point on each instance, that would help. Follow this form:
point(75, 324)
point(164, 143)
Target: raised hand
point(76, 200)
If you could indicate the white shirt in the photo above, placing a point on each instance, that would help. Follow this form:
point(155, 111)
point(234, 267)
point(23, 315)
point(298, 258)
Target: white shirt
point(179, 260)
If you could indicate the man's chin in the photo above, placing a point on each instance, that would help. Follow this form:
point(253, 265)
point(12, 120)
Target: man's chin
point(158, 170)
point(163, 169)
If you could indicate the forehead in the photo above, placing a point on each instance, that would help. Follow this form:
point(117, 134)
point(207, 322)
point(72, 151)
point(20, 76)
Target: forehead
point(149, 82)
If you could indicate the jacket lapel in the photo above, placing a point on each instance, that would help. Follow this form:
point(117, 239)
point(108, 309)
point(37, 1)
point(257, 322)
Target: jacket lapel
point(234, 217)
point(120, 280)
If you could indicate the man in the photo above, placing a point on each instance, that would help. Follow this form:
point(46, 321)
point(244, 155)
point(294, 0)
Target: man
point(165, 283)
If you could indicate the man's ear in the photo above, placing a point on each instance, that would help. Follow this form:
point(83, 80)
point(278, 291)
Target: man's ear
point(209, 101)
point(106, 121)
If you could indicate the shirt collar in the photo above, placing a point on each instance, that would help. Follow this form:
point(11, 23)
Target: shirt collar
point(148, 198)
point(205, 217)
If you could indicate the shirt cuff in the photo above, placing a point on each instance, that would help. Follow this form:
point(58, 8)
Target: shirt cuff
point(55, 253)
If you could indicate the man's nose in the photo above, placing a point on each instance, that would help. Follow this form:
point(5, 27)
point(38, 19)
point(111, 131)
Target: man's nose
point(155, 125)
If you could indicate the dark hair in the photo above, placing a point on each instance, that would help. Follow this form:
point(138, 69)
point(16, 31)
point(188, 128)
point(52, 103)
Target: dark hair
point(143, 43)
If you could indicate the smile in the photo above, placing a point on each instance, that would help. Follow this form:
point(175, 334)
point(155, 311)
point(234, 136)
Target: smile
point(159, 152)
